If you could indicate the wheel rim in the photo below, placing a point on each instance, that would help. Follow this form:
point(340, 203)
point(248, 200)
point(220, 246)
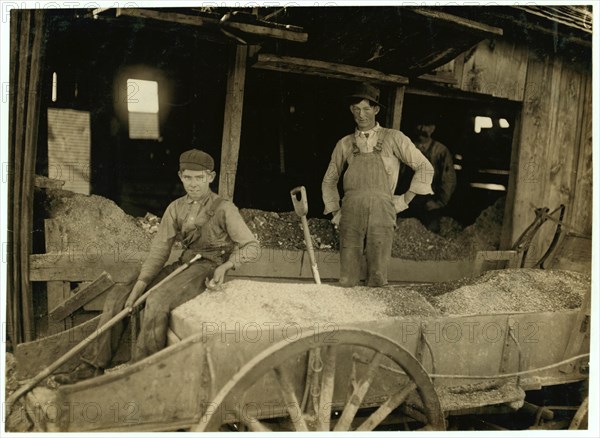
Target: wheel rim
point(273, 358)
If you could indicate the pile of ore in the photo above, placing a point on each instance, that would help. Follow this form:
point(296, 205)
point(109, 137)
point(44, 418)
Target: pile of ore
point(284, 230)
point(511, 290)
point(515, 290)
point(94, 223)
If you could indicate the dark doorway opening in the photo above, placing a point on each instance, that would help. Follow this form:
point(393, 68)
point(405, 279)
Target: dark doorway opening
point(479, 134)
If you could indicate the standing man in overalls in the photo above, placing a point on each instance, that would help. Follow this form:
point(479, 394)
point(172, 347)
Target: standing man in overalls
point(367, 217)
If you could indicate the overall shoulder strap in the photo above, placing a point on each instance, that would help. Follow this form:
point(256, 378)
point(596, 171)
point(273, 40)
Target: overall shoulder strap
point(381, 135)
point(216, 204)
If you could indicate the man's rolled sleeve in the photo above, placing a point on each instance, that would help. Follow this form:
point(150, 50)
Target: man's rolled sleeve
point(331, 196)
point(246, 247)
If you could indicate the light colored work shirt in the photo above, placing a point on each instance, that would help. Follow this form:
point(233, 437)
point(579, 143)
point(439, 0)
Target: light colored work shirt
point(218, 235)
point(396, 148)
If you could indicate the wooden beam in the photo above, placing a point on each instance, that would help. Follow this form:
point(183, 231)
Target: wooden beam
point(194, 20)
point(56, 291)
point(324, 69)
point(171, 17)
point(232, 124)
point(395, 107)
point(440, 78)
point(81, 296)
point(270, 32)
point(33, 89)
point(459, 21)
point(270, 263)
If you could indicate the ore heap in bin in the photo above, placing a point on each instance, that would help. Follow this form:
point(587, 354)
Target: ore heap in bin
point(98, 222)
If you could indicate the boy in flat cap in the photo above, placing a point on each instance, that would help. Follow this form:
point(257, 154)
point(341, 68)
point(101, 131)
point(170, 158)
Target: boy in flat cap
point(208, 225)
point(367, 215)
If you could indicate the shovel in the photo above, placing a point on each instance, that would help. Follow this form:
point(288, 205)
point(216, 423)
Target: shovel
point(301, 209)
point(84, 343)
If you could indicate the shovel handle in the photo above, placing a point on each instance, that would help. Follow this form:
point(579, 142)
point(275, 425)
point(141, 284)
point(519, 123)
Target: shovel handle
point(300, 204)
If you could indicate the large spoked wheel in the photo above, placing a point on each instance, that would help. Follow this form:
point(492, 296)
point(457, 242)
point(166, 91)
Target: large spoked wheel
point(350, 363)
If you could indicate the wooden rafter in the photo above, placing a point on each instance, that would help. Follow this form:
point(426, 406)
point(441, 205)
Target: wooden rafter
point(460, 21)
point(289, 33)
point(325, 69)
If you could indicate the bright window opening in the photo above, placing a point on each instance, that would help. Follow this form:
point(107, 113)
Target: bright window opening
point(143, 106)
point(482, 122)
point(142, 96)
point(503, 123)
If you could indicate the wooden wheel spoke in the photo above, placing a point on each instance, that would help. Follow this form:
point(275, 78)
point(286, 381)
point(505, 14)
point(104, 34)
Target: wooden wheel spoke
point(386, 408)
point(327, 384)
point(291, 401)
point(358, 395)
point(254, 424)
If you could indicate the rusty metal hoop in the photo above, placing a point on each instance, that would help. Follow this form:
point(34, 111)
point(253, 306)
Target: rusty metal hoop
point(272, 359)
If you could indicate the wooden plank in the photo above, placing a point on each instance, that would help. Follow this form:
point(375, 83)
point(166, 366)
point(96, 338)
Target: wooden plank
point(172, 17)
point(266, 31)
point(580, 334)
point(395, 107)
point(269, 263)
point(511, 259)
point(533, 141)
point(465, 23)
point(80, 296)
point(506, 235)
point(56, 291)
point(267, 61)
point(20, 97)
point(497, 69)
point(29, 158)
point(32, 357)
point(574, 253)
point(79, 267)
point(583, 175)
point(232, 123)
point(563, 149)
point(446, 78)
point(195, 20)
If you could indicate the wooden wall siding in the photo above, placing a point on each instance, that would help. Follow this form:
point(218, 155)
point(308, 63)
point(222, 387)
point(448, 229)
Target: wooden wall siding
point(28, 44)
point(581, 219)
point(497, 68)
point(549, 146)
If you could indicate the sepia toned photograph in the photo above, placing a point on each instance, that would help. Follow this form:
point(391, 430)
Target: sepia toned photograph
point(321, 217)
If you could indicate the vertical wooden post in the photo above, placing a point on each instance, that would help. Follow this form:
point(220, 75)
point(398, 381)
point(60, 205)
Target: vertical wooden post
point(29, 158)
point(232, 124)
point(56, 291)
point(396, 102)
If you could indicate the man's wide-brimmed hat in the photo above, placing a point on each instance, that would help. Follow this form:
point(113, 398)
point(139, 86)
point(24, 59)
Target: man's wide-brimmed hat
point(366, 91)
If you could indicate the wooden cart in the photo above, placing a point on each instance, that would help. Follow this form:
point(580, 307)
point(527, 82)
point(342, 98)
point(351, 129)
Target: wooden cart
point(403, 372)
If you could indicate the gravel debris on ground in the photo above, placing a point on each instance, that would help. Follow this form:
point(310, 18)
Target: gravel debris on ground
point(515, 290)
point(17, 421)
